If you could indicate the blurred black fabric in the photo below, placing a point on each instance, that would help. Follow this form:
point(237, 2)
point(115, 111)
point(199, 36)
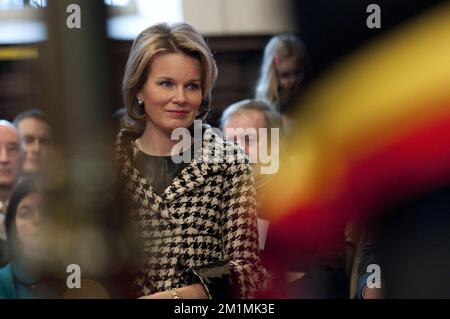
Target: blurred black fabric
point(414, 248)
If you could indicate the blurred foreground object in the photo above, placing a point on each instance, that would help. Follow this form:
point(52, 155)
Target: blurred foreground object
point(88, 223)
point(373, 134)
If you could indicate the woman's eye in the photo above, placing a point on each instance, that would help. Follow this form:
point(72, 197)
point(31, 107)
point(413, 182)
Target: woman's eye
point(193, 86)
point(165, 83)
point(24, 213)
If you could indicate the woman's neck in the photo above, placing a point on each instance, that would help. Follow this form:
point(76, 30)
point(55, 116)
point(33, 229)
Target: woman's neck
point(155, 142)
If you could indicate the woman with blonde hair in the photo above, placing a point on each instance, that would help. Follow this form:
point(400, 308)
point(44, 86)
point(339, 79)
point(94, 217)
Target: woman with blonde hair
point(196, 219)
point(282, 71)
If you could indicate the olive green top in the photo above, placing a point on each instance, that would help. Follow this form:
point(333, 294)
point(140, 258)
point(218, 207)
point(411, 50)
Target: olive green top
point(159, 171)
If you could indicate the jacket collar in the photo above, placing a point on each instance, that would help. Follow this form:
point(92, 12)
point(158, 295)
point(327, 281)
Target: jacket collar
point(192, 176)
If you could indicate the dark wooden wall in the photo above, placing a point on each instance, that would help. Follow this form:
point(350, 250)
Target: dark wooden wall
point(19, 83)
point(238, 59)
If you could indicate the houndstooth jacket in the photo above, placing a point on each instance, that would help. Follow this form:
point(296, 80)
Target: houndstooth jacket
point(203, 221)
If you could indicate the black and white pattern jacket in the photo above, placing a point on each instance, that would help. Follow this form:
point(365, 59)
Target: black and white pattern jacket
point(202, 229)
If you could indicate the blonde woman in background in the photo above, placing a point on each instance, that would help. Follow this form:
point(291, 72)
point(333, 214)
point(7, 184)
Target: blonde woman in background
point(282, 73)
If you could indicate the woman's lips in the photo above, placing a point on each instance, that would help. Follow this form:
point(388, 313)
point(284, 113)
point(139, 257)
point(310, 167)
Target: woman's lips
point(178, 113)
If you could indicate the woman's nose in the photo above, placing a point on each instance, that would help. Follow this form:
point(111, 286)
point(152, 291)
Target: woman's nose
point(180, 96)
point(37, 218)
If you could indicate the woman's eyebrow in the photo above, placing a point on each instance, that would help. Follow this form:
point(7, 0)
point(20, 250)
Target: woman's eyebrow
point(170, 79)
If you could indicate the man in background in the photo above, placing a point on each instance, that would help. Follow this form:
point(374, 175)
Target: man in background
point(240, 121)
point(37, 140)
point(11, 162)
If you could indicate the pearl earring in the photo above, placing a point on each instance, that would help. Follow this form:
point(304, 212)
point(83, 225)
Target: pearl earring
point(140, 102)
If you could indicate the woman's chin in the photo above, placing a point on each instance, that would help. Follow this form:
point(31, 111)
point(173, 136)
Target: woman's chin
point(181, 123)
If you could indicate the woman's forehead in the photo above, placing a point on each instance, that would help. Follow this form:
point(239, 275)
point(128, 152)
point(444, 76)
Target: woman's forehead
point(33, 198)
point(173, 61)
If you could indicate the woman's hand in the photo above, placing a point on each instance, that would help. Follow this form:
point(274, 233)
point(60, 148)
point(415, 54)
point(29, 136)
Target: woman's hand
point(158, 295)
point(196, 291)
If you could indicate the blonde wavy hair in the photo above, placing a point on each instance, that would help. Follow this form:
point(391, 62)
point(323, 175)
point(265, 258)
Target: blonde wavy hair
point(281, 47)
point(165, 38)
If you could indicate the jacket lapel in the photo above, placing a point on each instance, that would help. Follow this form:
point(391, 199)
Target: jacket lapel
point(136, 185)
point(205, 164)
